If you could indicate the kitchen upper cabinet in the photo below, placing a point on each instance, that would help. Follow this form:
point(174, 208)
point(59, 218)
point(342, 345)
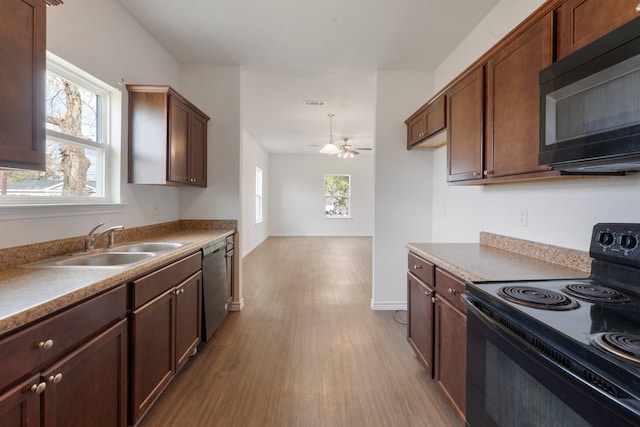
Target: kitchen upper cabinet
point(23, 53)
point(465, 118)
point(580, 22)
point(167, 138)
point(426, 122)
point(512, 126)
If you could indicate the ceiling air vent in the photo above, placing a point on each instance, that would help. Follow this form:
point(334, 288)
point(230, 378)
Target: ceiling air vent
point(314, 103)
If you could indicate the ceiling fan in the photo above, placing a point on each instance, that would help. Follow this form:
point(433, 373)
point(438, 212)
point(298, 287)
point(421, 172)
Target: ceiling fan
point(345, 151)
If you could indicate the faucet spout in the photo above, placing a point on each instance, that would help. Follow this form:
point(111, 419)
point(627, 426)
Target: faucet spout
point(92, 237)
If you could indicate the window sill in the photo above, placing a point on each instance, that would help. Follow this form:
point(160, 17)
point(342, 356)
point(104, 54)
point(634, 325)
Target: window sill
point(23, 211)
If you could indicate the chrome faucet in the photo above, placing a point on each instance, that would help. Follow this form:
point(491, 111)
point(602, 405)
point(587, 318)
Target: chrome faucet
point(92, 237)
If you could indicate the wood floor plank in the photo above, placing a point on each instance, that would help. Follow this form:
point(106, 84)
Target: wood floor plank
point(307, 350)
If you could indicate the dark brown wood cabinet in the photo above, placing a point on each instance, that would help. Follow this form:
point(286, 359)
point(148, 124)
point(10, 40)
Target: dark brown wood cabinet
point(580, 22)
point(465, 118)
point(165, 329)
point(167, 138)
point(451, 340)
point(75, 365)
point(22, 116)
point(437, 327)
point(512, 126)
point(426, 122)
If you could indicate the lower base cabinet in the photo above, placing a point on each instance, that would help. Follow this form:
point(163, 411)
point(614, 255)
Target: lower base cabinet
point(165, 329)
point(69, 369)
point(437, 328)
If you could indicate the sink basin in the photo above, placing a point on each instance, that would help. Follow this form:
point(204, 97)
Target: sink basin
point(103, 259)
point(148, 247)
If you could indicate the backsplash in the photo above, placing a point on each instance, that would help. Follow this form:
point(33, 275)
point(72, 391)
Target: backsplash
point(565, 257)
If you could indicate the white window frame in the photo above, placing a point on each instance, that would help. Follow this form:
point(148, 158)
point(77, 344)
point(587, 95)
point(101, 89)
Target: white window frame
point(259, 187)
point(108, 170)
point(348, 196)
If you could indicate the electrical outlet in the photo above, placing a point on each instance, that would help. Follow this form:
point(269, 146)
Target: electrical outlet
point(155, 209)
point(524, 217)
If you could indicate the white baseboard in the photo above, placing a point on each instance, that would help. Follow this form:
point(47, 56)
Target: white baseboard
point(388, 305)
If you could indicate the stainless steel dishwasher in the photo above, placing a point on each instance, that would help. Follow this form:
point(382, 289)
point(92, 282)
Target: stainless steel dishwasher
point(214, 287)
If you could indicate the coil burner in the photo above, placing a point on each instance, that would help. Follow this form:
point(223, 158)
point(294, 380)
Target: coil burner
point(594, 293)
point(537, 298)
point(623, 345)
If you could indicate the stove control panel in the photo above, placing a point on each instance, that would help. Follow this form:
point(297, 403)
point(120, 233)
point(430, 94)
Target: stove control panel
point(617, 242)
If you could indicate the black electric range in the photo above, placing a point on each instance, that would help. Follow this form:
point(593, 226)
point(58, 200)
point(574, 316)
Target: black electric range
point(565, 338)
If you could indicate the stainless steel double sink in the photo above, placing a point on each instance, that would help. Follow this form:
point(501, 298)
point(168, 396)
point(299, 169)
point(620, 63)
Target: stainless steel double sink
point(119, 257)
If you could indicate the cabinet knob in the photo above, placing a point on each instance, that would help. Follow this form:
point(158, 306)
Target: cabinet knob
point(638, 8)
point(55, 378)
point(417, 267)
point(433, 300)
point(488, 172)
point(452, 291)
point(38, 388)
point(428, 293)
point(46, 345)
point(475, 173)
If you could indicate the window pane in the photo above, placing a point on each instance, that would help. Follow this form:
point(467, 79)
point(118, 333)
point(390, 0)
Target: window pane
point(336, 185)
point(79, 164)
point(336, 206)
point(71, 109)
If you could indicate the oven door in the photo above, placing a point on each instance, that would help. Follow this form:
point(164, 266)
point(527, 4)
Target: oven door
point(510, 383)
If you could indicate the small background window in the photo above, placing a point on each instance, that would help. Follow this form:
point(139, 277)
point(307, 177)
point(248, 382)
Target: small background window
point(337, 194)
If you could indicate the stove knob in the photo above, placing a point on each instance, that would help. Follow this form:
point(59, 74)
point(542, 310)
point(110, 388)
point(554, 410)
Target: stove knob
point(627, 241)
point(606, 238)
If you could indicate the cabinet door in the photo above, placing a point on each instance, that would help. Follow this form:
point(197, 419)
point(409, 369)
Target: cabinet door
point(580, 22)
point(465, 119)
point(436, 116)
point(512, 136)
point(416, 129)
point(198, 150)
point(22, 49)
point(229, 258)
point(188, 317)
point(451, 354)
point(88, 387)
point(20, 406)
point(152, 351)
point(420, 321)
point(178, 167)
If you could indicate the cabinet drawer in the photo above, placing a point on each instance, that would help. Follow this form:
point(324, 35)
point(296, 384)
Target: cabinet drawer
point(21, 353)
point(450, 288)
point(152, 285)
point(421, 268)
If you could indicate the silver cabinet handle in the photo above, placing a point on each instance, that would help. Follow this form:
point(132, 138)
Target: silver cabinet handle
point(452, 291)
point(428, 293)
point(55, 378)
point(417, 267)
point(434, 299)
point(46, 345)
point(38, 388)
point(638, 8)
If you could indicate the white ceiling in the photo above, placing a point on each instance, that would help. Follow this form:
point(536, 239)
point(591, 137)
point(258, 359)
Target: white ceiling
point(296, 50)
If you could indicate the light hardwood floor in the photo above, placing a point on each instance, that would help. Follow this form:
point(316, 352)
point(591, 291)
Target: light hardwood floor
point(307, 350)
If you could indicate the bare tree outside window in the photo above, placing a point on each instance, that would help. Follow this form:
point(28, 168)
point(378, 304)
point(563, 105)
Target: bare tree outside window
point(74, 150)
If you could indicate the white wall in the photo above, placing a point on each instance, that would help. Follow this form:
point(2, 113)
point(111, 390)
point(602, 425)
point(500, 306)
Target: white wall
point(296, 195)
point(253, 155)
point(102, 39)
point(559, 213)
point(216, 91)
point(403, 185)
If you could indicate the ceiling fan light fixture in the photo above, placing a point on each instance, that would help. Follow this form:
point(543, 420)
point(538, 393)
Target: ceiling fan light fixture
point(330, 148)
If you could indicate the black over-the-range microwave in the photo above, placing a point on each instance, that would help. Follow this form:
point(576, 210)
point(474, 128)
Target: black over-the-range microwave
point(590, 106)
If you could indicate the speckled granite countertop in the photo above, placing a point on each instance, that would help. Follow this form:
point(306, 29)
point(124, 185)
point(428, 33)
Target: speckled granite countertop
point(28, 294)
point(502, 258)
